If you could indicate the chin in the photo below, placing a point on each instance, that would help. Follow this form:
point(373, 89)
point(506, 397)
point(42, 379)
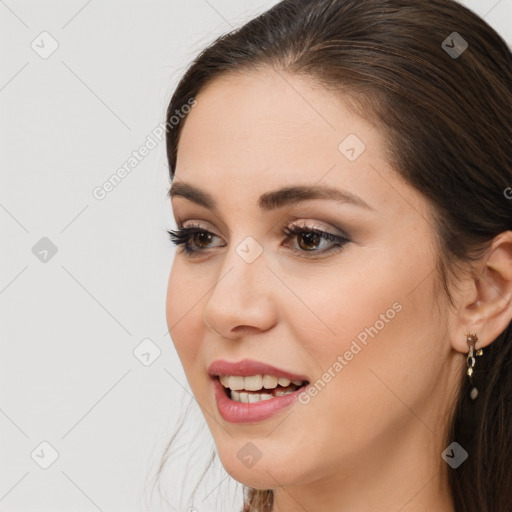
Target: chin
point(247, 464)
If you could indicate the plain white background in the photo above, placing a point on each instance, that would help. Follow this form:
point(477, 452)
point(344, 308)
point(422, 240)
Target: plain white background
point(83, 280)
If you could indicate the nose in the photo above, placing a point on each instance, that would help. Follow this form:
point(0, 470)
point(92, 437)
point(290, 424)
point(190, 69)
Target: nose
point(242, 300)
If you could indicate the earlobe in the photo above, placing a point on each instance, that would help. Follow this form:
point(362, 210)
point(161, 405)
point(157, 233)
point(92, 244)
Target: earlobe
point(489, 310)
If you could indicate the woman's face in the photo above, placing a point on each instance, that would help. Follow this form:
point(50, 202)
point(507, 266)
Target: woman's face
point(355, 315)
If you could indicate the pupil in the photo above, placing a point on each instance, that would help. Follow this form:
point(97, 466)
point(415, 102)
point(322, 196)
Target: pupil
point(203, 238)
point(311, 239)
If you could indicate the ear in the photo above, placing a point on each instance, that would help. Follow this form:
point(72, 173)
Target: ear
point(486, 303)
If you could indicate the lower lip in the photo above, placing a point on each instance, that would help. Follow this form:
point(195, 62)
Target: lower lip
point(240, 412)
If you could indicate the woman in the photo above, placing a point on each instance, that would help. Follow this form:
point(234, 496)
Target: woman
point(340, 297)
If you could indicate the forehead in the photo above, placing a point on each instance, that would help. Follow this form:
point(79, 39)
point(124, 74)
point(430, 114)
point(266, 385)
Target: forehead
point(288, 115)
point(266, 129)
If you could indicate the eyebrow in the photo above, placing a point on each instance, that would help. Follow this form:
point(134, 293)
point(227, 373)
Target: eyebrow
point(272, 200)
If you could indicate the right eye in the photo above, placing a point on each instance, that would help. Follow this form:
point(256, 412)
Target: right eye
point(193, 238)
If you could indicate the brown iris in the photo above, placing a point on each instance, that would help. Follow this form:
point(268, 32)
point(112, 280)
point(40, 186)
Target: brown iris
point(311, 240)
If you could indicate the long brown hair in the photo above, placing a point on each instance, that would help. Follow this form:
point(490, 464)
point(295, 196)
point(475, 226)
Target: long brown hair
point(444, 102)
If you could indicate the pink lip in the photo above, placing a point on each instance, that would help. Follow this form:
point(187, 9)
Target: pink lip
point(247, 367)
point(238, 412)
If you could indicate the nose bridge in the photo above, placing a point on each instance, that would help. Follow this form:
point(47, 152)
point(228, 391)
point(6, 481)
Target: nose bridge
point(241, 293)
point(243, 268)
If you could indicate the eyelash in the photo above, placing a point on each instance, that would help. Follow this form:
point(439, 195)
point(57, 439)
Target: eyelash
point(183, 237)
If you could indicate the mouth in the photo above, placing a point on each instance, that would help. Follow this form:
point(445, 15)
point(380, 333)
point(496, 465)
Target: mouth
point(251, 389)
point(249, 381)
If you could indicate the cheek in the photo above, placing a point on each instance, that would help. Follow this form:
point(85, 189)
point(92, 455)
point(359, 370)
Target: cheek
point(183, 315)
point(375, 330)
point(373, 303)
point(354, 302)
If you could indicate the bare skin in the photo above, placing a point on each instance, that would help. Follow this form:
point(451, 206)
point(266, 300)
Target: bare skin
point(372, 438)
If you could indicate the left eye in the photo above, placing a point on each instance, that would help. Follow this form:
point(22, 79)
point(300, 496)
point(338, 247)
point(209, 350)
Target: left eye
point(309, 238)
point(194, 239)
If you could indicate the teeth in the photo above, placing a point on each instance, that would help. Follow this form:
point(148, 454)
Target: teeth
point(269, 382)
point(280, 392)
point(258, 397)
point(250, 398)
point(232, 381)
point(255, 382)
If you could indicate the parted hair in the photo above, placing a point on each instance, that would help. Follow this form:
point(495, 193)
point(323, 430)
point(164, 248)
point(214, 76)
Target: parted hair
point(447, 123)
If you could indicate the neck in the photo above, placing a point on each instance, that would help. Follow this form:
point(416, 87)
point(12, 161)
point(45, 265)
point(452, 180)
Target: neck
point(392, 476)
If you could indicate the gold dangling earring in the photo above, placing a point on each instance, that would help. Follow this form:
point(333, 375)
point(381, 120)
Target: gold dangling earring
point(472, 339)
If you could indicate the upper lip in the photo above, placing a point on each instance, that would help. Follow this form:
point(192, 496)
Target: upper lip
point(247, 367)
